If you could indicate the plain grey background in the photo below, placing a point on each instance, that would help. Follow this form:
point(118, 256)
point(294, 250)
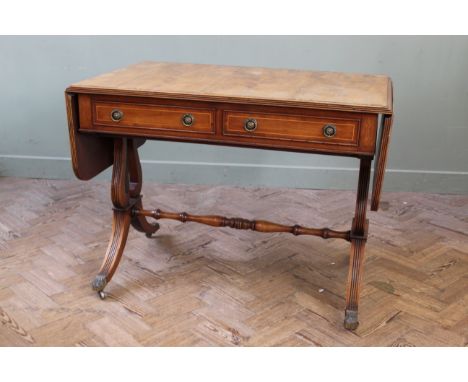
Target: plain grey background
point(428, 150)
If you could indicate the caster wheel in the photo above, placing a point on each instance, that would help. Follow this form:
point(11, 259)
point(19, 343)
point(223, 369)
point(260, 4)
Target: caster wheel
point(149, 235)
point(351, 325)
point(102, 295)
point(351, 320)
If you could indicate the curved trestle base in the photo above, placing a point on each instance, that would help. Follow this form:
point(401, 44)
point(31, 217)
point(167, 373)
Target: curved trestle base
point(128, 210)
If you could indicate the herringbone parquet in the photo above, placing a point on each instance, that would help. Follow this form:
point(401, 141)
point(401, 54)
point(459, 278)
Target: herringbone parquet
point(196, 285)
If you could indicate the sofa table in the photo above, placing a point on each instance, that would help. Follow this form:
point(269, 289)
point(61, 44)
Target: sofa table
point(111, 115)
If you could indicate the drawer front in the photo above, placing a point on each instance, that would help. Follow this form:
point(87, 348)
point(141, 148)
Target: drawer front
point(289, 129)
point(300, 128)
point(153, 117)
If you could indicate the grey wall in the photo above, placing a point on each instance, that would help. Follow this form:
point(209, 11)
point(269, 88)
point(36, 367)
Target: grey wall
point(428, 151)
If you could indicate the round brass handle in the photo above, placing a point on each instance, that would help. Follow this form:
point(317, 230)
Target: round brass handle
point(250, 124)
point(329, 130)
point(188, 120)
point(116, 115)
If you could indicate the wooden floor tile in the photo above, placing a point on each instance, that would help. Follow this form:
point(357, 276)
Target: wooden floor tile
point(193, 285)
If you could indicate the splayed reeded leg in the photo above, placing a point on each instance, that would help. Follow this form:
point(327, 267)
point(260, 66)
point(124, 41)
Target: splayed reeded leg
point(358, 242)
point(125, 193)
point(120, 226)
point(121, 219)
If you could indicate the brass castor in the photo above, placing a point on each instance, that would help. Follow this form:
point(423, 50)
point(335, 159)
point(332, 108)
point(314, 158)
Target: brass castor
point(351, 319)
point(99, 284)
point(102, 294)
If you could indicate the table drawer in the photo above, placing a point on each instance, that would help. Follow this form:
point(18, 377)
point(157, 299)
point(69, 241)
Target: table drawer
point(300, 128)
point(153, 117)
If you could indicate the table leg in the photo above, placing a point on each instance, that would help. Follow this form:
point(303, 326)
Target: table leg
point(381, 161)
point(120, 226)
point(358, 242)
point(121, 218)
point(125, 194)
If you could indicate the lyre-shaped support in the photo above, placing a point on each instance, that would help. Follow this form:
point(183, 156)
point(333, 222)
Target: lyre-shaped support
point(125, 195)
point(128, 210)
point(136, 182)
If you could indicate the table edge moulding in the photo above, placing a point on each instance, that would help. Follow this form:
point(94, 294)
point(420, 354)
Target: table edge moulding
point(112, 115)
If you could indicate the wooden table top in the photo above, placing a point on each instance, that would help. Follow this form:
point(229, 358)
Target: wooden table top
point(263, 86)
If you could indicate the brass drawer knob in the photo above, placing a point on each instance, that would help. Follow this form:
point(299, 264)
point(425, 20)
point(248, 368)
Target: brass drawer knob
point(250, 124)
point(116, 115)
point(188, 119)
point(329, 130)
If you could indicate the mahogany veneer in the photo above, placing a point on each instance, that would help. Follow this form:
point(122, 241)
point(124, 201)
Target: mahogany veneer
point(110, 116)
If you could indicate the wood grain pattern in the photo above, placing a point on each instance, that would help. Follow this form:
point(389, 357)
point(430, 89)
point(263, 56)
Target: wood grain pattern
point(232, 84)
point(194, 285)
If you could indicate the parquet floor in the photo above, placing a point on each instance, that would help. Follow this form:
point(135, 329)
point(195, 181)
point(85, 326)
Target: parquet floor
point(194, 285)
